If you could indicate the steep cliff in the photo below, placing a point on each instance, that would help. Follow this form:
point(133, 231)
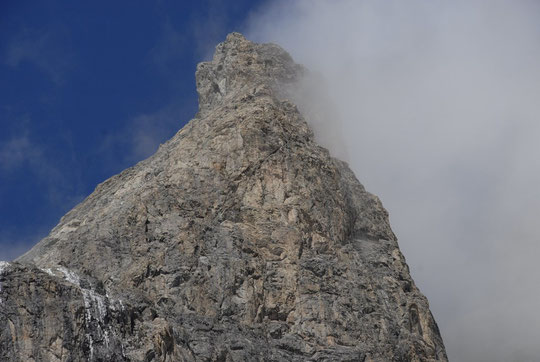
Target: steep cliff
point(241, 239)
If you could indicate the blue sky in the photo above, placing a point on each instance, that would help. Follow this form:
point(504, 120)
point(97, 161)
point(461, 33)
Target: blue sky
point(88, 89)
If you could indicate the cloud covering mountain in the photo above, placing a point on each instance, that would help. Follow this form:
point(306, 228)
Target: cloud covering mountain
point(435, 106)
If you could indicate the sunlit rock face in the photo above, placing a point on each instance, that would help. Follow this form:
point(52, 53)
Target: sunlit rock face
point(241, 239)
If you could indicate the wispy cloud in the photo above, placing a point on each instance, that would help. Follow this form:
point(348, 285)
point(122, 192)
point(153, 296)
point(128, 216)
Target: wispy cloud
point(21, 152)
point(21, 157)
point(170, 48)
point(208, 29)
point(16, 151)
point(148, 131)
point(42, 49)
point(142, 135)
point(193, 40)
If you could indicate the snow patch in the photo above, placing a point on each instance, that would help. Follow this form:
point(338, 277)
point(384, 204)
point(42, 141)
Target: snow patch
point(3, 266)
point(48, 271)
point(70, 276)
point(96, 310)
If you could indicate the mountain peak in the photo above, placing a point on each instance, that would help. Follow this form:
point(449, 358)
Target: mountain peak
point(238, 63)
point(241, 239)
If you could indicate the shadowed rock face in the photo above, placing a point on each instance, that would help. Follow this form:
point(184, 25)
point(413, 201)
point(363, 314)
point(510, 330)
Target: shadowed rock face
point(241, 239)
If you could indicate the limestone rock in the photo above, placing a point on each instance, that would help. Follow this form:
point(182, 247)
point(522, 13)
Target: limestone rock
point(241, 239)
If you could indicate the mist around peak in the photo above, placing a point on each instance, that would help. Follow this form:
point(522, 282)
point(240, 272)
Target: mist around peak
point(435, 106)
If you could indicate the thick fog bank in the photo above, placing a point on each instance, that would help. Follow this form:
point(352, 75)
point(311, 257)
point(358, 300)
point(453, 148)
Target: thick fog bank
point(436, 106)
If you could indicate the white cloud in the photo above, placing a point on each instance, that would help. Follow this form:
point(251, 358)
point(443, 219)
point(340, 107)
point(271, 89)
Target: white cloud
point(435, 105)
point(41, 49)
point(142, 135)
point(148, 131)
point(170, 48)
point(20, 152)
point(16, 151)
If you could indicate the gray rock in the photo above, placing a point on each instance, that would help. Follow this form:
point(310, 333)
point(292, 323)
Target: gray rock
point(241, 239)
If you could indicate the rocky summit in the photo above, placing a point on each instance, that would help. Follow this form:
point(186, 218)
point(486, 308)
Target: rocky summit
point(240, 239)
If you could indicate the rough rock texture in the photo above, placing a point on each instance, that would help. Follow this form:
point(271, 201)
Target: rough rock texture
point(241, 239)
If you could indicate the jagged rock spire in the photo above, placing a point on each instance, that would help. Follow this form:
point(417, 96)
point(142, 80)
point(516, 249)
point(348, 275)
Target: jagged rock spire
point(238, 64)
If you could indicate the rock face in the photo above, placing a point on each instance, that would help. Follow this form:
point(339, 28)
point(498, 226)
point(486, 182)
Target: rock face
point(241, 239)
